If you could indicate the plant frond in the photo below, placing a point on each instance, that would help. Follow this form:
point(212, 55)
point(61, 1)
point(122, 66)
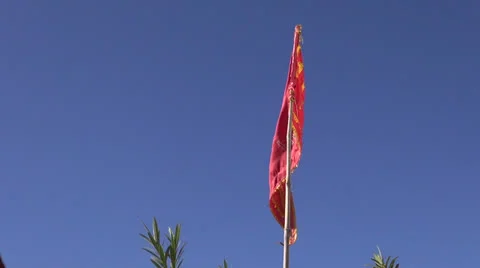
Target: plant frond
point(381, 262)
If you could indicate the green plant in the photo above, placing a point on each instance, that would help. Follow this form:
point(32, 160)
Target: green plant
point(224, 265)
point(166, 253)
point(380, 262)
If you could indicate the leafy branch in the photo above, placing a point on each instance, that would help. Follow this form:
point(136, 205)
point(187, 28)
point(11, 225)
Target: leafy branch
point(166, 253)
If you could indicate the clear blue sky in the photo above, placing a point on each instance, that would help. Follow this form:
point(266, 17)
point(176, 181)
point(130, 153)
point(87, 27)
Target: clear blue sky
point(112, 112)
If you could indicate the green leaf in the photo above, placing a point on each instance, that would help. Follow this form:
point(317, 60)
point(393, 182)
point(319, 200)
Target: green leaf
point(380, 262)
point(160, 257)
point(176, 247)
point(156, 264)
point(156, 231)
point(145, 237)
point(151, 252)
point(224, 265)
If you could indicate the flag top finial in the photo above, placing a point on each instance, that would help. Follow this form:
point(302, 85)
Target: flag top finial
point(298, 28)
point(298, 32)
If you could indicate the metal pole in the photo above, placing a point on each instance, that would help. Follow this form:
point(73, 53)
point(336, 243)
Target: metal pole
point(286, 231)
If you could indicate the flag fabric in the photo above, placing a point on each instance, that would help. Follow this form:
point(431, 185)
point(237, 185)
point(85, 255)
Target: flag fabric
point(295, 88)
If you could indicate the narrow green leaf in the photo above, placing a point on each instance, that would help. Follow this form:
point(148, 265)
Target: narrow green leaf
point(151, 252)
point(146, 227)
point(145, 237)
point(178, 231)
point(156, 264)
point(224, 264)
point(156, 231)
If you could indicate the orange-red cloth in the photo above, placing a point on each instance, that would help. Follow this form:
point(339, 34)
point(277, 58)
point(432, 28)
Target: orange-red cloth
point(295, 88)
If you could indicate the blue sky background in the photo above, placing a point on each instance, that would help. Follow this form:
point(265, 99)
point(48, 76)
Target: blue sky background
point(112, 112)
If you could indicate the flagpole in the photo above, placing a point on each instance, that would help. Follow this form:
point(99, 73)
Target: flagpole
point(286, 230)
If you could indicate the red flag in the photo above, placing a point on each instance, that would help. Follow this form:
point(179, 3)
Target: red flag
point(295, 89)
